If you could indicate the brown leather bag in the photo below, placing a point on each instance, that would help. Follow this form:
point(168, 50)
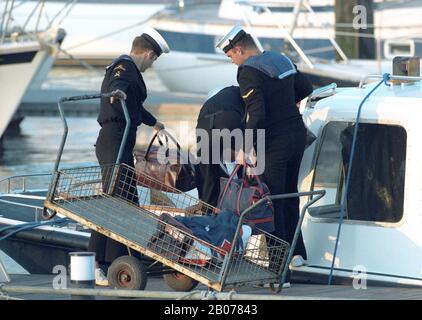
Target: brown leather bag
point(171, 174)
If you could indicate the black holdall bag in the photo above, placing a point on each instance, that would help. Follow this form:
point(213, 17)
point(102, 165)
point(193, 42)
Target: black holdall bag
point(236, 195)
point(173, 173)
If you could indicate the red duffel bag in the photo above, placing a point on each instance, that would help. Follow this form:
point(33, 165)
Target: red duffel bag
point(236, 195)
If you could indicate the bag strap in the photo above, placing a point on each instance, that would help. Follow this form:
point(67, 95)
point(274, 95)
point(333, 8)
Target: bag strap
point(242, 185)
point(159, 141)
point(179, 153)
point(253, 177)
point(238, 199)
point(168, 137)
point(223, 194)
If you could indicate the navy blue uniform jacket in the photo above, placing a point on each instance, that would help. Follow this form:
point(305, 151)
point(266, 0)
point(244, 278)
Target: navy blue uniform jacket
point(124, 75)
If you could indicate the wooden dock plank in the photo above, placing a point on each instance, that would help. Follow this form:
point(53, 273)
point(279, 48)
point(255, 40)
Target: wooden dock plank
point(297, 290)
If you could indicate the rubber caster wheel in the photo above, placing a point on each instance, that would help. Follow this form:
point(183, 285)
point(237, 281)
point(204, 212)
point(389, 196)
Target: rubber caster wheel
point(127, 273)
point(180, 282)
point(275, 288)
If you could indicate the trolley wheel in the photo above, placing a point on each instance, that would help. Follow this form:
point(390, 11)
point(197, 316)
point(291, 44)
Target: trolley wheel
point(180, 282)
point(47, 214)
point(127, 272)
point(275, 289)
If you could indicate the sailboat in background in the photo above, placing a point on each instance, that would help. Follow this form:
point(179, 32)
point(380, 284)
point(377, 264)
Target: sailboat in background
point(97, 31)
point(25, 56)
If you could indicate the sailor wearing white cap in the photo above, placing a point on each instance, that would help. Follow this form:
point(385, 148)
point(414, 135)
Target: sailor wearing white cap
point(230, 39)
point(124, 76)
point(271, 85)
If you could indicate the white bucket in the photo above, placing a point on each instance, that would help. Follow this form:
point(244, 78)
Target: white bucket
point(82, 266)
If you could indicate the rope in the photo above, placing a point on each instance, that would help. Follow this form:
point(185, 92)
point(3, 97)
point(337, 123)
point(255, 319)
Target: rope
point(209, 295)
point(28, 226)
point(231, 293)
point(384, 80)
point(14, 226)
point(190, 294)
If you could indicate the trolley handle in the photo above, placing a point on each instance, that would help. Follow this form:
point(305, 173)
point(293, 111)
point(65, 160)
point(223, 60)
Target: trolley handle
point(318, 193)
point(90, 97)
point(55, 178)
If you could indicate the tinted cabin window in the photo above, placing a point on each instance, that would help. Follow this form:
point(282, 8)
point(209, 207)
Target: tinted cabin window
point(376, 187)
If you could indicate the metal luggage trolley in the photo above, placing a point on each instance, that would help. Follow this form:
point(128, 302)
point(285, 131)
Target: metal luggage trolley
point(97, 198)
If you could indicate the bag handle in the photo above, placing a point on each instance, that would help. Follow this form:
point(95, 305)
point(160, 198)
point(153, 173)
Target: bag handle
point(159, 141)
point(223, 194)
point(168, 136)
point(246, 184)
point(252, 176)
point(179, 153)
point(243, 184)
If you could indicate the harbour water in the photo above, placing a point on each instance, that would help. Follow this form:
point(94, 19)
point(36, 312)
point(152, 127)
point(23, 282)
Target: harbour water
point(34, 148)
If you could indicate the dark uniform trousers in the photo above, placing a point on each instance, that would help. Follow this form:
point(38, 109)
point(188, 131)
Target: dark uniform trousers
point(107, 149)
point(283, 155)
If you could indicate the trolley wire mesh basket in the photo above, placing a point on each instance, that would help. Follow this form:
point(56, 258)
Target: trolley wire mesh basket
point(127, 206)
point(99, 198)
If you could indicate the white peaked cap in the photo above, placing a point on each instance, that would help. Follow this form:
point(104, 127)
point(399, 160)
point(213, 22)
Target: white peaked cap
point(156, 40)
point(234, 35)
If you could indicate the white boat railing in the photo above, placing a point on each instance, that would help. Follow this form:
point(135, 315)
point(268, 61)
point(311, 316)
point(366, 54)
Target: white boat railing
point(330, 37)
point(380, 76)
point(24, 182)
point(297, 7)
point(5, 19)
point(37, 209)
point(286, 33)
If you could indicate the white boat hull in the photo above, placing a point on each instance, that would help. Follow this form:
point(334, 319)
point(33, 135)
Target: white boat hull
point(195, 73)
point(17, 78)
point(200, 73)
point(97, 31)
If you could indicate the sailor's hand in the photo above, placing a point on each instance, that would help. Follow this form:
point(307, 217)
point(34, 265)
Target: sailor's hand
point(117, 94)
point(249, 158)
point(240, 158)
point(158, 126)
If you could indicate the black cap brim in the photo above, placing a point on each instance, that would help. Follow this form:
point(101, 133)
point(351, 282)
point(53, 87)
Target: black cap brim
point(153, 43)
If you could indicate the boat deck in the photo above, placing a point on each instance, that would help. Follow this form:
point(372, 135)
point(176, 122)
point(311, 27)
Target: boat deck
point(296, 292)
point(24, 212)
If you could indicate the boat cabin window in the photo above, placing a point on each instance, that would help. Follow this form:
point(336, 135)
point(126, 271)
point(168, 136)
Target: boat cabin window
point(376, 188)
